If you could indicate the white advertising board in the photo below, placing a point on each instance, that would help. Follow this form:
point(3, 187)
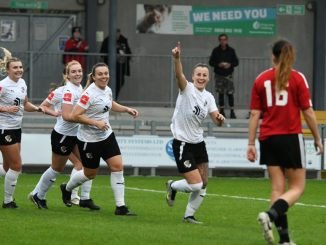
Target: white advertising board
point(154, 151)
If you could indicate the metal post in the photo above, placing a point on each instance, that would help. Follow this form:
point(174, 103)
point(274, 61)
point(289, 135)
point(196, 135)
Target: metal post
point(112, 45)
point(171, 82)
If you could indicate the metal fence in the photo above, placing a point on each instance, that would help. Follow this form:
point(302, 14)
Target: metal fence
point(151, 81)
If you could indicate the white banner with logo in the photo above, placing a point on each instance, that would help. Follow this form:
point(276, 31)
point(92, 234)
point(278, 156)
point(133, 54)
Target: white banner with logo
point(154, 151)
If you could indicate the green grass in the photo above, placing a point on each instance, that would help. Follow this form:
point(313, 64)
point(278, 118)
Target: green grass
point(229, 214)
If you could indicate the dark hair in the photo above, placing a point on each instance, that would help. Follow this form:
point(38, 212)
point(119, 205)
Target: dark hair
point(74, 29)
point(284, 57)
point(90, 79)
point(223, 35)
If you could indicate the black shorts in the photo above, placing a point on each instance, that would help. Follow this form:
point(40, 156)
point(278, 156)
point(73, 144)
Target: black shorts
point(62, 144)
point(10, 136)
point(92, 152)
point(188, 156)
point(286, 151)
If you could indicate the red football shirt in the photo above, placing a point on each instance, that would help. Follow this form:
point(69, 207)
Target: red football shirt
point(281, 110)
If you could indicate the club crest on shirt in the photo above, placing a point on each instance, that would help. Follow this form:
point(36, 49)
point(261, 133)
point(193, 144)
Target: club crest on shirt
point(22, 89)
point(8, 138)
point(67, 97)
point(84, 99)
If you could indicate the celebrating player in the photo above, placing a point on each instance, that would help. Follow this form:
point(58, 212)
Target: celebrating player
point(193, 105)
point(96, 139)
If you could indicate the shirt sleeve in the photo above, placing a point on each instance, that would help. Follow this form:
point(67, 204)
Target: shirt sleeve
point(53, 97)
point(211, 104)
point(303, 92)
point(68, 97)
point(84, 101)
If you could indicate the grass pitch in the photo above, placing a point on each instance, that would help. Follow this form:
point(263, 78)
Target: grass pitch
point(229, 214)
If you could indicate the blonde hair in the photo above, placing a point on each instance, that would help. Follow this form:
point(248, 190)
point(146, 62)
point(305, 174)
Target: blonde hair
point(66, 70)
point(284, 57)
point(5, 55)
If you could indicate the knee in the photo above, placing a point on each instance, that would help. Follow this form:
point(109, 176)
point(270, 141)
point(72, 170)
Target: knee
point(194, 187)
point(90, 174)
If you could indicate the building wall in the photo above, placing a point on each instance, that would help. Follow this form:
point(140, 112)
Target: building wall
point(298, 29)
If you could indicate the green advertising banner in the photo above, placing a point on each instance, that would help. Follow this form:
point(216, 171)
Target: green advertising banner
point(193, 20)
point(234, 21)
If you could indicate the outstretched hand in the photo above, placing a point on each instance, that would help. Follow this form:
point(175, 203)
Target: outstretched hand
point(176, 51)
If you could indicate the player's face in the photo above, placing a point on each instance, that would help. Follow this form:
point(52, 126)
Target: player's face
point(75, 74)
point(101, 76)
point(200, 77)
point(15, 70)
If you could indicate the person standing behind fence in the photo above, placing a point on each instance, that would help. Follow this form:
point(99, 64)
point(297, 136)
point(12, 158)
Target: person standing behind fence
point(77, 45)
point(223, 59)
point(193, 105)
point(123, 58)
point(96, 139)
point(13, 102)
point(64, 139)
point(281, 94)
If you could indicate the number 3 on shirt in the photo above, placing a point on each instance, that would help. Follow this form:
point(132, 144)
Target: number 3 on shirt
point(281, 97)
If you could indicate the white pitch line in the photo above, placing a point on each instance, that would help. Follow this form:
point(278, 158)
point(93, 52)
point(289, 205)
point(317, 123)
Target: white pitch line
point(233, 197)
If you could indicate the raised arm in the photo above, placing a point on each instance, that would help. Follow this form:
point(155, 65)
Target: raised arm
point(181, 80)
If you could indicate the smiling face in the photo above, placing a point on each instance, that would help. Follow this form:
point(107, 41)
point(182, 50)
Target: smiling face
point(200, 77)
point(15, 70)
point(101, 76)
point(75, 73)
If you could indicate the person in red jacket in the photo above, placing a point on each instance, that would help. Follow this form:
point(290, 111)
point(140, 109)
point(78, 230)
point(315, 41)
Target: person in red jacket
point(77, 45)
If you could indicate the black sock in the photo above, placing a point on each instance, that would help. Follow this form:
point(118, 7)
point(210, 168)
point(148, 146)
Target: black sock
point(282, 228)
point(278, 208)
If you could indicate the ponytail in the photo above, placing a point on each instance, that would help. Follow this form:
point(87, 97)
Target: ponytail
point(284, 57)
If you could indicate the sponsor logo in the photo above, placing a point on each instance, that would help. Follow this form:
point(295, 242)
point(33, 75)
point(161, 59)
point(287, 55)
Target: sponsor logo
point(106, 108)
point(169, 150)
point(67, 97)
point(84, 99)
point(17, 101)
point(196, 110)
point(50, 96)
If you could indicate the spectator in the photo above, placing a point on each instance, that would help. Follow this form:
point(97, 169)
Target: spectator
point(123, 58)
point(224, 59)
point(77, 45)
